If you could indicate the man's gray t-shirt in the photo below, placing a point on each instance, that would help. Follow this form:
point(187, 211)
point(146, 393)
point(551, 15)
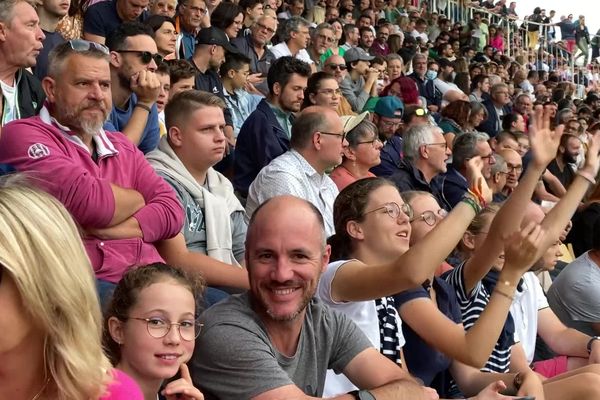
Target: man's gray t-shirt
point(235, 359)
point(194, 229)
point(575, 296)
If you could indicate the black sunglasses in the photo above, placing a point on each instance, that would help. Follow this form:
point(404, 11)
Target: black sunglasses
point(145, 56)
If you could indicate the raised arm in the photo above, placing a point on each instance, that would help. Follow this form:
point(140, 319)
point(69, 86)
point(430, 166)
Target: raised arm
point(355, 282)
point(544, 143)
point(474, 346)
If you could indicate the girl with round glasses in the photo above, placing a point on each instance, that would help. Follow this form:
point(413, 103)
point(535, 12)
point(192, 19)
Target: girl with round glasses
point(151, 328)
point(372, 261)
point(51, 322)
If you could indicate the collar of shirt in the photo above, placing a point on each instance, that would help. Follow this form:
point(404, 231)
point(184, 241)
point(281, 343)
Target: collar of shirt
point(104, 147)
point(308, 169)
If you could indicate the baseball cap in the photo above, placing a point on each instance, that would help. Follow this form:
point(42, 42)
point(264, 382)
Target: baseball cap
point(357, 54)
point(389, 107)
point(351, 121)
point(216, 36)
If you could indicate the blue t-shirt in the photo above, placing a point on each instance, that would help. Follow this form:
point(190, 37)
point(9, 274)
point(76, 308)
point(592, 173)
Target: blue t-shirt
point(422, 360)
point(52, 40)
point(118, 119)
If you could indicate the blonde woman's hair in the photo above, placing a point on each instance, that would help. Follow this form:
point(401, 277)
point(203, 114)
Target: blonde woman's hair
point(41, 250)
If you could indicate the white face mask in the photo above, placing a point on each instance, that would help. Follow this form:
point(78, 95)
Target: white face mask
point(431, 74)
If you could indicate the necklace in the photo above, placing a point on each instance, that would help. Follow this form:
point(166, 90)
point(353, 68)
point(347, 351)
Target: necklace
point(41, 390)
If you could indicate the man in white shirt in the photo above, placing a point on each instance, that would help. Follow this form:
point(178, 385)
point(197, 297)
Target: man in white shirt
point(316, 145)
point(295, 37)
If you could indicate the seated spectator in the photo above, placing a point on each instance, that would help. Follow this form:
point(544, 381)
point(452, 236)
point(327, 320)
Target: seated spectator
point(322, 90)
point(228, 17)
point(360, 82)
point(454, 120)
point(387, 117)
point(453, 184)
point(209, 55)
point(573, 294)
point(253, 12)
point(497, 180)
point(352, 36)
point(316, 145)
point(497, 107)
point(425, 156)
point(266, 133)
point(380, 46)
point(513, 122)
point(395, 66)
point(254, 46)
point(294, 40)
point(135, 86)
point(165, 8)
point(104, 17)
point(46, 359)
point(480, 88)
point(523, 105)
point(165, 35)
point(514, 167)
point(162, 73)
point(50, 13)
point(21, 93)
point(148, 304)
point(506, 140)
point(267, 322)
point(478, 114)
point(183, 76)
point(584, 221)
point(362, 153)
point(119, 202)
point(564, 165)
point(322, 38)
point(336, 65)
point(234, 74)
point(403, 88)
point(192, 15)
point(367, 38)
point(212, 239)
point(425, 86)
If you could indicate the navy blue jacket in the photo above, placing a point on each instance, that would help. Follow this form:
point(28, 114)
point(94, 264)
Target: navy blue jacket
point(452, 185)
point(391, 156)
point(408, 177)
point(489, 126)
point(260, 140)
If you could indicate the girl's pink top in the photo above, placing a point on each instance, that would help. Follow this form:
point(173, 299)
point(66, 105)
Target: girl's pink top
point(122, 388)
point(497, 42)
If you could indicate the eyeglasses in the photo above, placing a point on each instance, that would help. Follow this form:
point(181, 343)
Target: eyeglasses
point(373, 142)
point(430, 217)
point(393, 210)
point(489, 157)
point(390, 123)
point(514, 168)
point(265, 28)
point(159, 328)
point(342, 135)
point(330, 92)
point(443, 144)
point(145, 56)
point(202, 11)
point(341, 67)
point(327, 39)
point(80, 46)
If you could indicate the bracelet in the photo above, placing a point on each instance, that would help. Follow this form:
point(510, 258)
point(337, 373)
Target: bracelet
point(587, 176)
point(589, 344)
point(468, 199)
point(143, 107)
point(501, 293)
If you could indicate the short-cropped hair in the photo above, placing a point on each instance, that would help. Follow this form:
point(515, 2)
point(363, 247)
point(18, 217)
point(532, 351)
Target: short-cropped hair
point(184, 104)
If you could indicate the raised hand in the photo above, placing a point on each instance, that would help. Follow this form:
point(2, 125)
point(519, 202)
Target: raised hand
point(146, 86)
point(591, 157)
point(523, 248)
point(544, 141)
point(477, 182)
point(183, 387)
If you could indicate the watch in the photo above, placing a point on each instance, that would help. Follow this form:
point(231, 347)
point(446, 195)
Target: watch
point(362, 395)
point(589, 345)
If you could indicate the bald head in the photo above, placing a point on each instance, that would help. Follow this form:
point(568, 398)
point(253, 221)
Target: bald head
point(309, 121)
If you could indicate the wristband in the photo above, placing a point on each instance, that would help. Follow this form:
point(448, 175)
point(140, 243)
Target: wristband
point(468, 199)
point(144, 107)
point(501, 293)
point(587, 176)
point(589, 345)
point(478, 196)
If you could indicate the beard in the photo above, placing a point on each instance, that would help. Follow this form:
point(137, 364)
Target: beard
point(72, 117)
point(569, 158)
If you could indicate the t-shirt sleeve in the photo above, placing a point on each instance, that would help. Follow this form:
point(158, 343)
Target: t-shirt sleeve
point(122, 388)
point(350, 342)
point(92, 22)
point(231, 362)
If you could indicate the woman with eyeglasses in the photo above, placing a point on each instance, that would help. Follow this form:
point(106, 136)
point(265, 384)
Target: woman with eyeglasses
point(228, 17)
point(151, 328)
point(361, 154)
point(373, 227)
point(51, 322)
point(322, 89)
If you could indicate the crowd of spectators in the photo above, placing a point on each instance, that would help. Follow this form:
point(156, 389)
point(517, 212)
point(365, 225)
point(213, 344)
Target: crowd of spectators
point(293, 199)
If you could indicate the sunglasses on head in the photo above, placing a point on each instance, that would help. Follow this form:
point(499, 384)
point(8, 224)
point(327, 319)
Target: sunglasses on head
point(80, 46)
point(145, 56)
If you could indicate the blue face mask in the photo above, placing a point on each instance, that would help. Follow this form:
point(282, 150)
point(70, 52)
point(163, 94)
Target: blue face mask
point(430, 74)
